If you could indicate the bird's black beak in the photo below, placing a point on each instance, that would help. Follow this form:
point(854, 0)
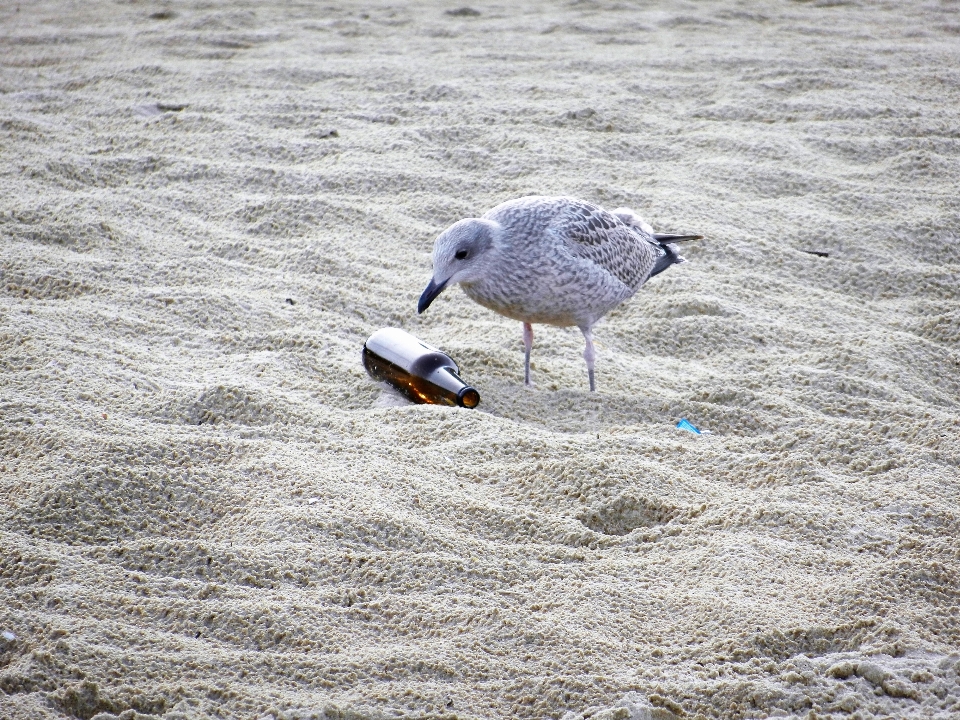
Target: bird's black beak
point(430, 294)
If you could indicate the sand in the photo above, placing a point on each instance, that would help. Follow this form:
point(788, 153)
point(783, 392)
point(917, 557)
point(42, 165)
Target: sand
point(208, 510)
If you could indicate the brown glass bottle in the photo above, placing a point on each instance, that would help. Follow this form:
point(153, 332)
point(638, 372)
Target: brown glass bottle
point(420, 372)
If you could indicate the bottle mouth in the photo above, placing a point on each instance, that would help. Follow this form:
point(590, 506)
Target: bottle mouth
point(468, 398)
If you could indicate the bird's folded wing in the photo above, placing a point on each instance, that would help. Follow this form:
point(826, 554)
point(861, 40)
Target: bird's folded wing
point(594, 234)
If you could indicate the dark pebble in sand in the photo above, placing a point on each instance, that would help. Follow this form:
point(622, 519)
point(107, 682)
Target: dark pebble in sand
point(155, 109)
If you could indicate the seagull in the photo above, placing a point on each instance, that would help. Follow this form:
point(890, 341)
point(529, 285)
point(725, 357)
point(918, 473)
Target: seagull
point(553, 260)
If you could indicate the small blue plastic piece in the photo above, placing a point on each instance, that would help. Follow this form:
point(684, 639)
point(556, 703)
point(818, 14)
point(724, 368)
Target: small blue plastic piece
point(685, 424)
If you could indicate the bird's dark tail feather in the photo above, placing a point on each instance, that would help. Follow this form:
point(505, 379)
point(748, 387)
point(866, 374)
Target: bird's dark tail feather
point(675, 238)
point(670, 256)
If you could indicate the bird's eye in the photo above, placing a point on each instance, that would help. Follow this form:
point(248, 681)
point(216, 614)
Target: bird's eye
point(461, 254)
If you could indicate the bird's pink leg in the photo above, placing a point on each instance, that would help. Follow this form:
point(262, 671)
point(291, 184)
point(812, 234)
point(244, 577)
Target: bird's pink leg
point(527, 345)
point(589, 354)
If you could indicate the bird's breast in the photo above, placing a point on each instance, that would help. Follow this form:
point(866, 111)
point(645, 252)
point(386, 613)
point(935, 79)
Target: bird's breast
point(554, 291)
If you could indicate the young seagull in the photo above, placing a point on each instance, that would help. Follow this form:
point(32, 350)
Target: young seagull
point(554, 260)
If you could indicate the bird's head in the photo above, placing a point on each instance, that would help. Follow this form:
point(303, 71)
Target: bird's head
point(460, 255)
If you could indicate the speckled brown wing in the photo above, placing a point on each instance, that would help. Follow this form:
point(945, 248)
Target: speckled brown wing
point(593, 233)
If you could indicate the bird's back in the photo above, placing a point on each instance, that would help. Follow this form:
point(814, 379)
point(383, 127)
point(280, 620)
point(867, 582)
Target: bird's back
point(563, 261)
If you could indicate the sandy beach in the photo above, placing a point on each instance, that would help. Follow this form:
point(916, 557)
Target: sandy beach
point(209, 510)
